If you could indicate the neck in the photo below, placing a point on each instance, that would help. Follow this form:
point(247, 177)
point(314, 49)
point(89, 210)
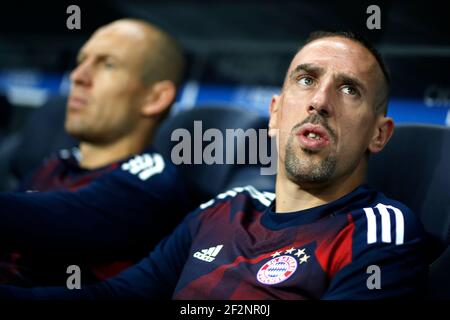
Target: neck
point(94, 156)
point(293, 197)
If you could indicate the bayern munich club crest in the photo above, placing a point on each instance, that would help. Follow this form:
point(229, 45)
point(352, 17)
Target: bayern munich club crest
point(277, 270)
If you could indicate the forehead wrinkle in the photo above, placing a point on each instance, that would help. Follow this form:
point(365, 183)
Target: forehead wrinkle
point(339, 49)
point(338, 53)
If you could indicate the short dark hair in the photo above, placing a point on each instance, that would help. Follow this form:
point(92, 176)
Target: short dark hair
point(382, 107)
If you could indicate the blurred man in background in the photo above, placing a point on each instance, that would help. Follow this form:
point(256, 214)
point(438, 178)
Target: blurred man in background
point(122, 88)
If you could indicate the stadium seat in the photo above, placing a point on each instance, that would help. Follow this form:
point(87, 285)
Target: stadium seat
point(415, 169)
point(41, 134)
point(204, 180)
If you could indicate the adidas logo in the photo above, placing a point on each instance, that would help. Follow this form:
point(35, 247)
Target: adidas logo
point(208, 255)
point(145, 166)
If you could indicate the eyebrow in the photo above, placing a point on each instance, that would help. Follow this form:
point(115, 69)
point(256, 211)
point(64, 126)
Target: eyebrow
point(307, 67)
point(349, 80)
point(315, 70)
point(101, 56)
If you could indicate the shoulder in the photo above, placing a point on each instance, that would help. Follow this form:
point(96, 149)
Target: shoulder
point(259, 199)
point(385, 223)
point(145, 165)
point(385, 234)
point(227, 205)
point(148, 172)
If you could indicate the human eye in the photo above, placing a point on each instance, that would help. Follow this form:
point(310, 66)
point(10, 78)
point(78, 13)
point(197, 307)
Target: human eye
point(109, 64)
point(305, 81)
point(350, 90)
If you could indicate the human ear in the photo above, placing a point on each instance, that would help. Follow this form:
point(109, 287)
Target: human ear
point(273, 121)
point(159, 98)
point(382, 133)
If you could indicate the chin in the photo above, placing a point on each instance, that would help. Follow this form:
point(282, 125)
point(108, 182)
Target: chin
point(76, 132)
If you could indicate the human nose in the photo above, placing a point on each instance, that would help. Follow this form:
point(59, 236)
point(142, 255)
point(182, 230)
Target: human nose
point(82, 74)
point(321, 101)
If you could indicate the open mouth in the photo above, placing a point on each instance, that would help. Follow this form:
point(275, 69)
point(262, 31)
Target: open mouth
point(313, 136)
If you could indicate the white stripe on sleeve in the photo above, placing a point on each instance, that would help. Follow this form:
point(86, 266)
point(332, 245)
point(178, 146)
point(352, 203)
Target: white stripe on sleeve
point(371, 226)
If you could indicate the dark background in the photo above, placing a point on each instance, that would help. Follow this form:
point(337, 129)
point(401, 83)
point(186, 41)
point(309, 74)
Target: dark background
point(231, 41)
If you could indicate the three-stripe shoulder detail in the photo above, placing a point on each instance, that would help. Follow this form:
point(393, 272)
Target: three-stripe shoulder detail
point(264, 198)
point(385, 213)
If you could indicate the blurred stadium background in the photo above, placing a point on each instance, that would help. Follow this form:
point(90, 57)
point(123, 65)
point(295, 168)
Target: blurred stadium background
point(238, 51)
